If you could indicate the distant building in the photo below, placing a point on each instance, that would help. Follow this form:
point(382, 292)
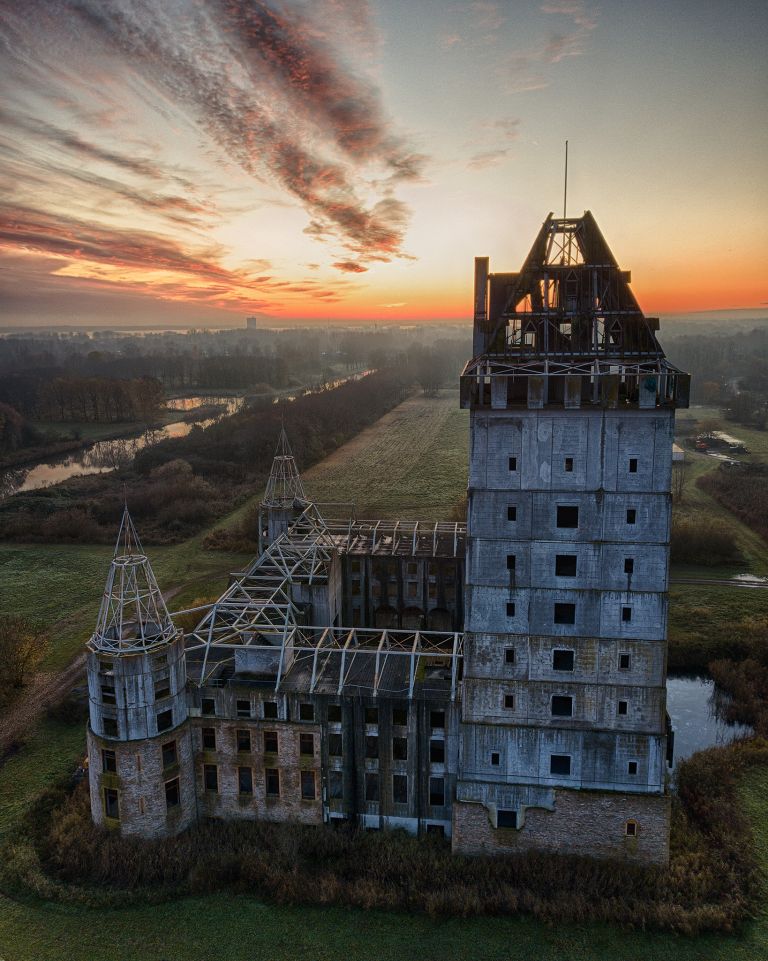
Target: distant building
point(502, 683)
point(251, 323)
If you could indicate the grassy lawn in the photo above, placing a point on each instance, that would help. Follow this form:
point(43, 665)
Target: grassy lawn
point(411, 464)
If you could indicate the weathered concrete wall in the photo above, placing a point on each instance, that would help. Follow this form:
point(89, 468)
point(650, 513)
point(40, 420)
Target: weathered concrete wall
point(580, 822)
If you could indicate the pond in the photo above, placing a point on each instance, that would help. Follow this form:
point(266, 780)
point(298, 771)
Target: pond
point(694, 704)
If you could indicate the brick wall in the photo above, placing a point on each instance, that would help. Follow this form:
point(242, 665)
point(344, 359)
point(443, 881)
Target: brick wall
point(582, 822)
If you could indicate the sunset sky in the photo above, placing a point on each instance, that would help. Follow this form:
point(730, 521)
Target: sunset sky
point(194, 161)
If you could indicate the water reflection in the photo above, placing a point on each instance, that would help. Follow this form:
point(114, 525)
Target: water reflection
point(696, 708)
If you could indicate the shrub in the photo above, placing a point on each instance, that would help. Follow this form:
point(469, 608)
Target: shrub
point(709, 543)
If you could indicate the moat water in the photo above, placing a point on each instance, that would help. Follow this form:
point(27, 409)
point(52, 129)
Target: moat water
point(696, 707)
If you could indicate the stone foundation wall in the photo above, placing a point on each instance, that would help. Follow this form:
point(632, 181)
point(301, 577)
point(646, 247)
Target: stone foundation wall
point(590, 823)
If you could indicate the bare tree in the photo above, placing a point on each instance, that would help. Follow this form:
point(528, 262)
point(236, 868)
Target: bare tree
point(23, 644)
point(679, 480)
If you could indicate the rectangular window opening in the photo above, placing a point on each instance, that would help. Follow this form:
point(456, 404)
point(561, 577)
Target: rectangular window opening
point(244, 741)
point(623, 707)
point(169, 753)
point(562, 706)
point(334, 713)
point(437, 720)
point(371, 715)
point(565, 614)
point(109, 762)
point(111, 803)
point(563, 660)
point(631, 515)
point(626, 614)
point(306, 711)
point(632, 767)
point(513, 463)
point(272, 781)
point(209, 739)
point(509, 702)
point(632, 465)
point(208, 707)
point(568, 516)
point(270, 742)
point(569, 465)
point(625, 662)
point(307, 745)
point(506, 819)
point(308, 786)
point(509, 655)
point(400, 788)
point(334, 745)
point(436, 791)
point(172, 794)
point(437, 752)
point(511, 560)
point(243, 708)
point(399, 717)
point(565, 565)
point(399, 748)
point(244, 780)
point(510, 608)
point(270, 710)
point(512, 512)
point(495, 758)
point(165, 720)
point(560, 764)
point(629, 565)
point(371, 786)
point(211, 777)
point(371, 747)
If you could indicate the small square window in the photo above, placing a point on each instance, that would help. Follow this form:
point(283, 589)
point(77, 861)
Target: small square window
point(110, 727)
point(436, 829)
point(513, 463)
point(308, 785)
point(371, 747)
point(631, 515)
point(495, 758)
point(506, 819)
point(568, 516)
point(244, 741)
point(211, 777)
point(208, 707)
point(334, 745)
point(629, 565)
point(399, 748)
point(509, 655)
point(111, 803)
point(625, 662)
point(632, 465)
point(632, 767)
point(163, 689)
point(562, 660)
point(623, 707)
point(436, 791)
point(165, 720)
point(307, 745)
point(512, 512)
point(371, 715)
point(244, 780)
point(400, 788)
point(270, 710)
point(306, 711)
point(511, 559)
point(509, 702)
point(569, 465)
point(560, 764)
point(109, 762)
point(436, 719)
point(565, 565)
point(270, 742)
point(565, 614)
point(510, 608)
point(630, 829)
point(172, 793)
point(209, 739)
point(562, 706)
point(626, 614)
point(437, 751)
point(272, 782)
point(334, 713)
point(399, 717)
point(169, 753)
point(371, 786)
point(243, 708)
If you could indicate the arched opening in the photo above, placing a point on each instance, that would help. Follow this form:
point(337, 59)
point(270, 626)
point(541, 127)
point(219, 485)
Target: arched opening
point(385, 617)
point(439, 619)
point(413, 619)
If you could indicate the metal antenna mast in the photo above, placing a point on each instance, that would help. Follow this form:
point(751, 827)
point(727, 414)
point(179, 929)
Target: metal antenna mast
point(565, 187)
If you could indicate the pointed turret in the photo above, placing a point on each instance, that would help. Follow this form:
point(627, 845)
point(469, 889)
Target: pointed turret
point(284, 498)
point(133, 616)
point(284, 485)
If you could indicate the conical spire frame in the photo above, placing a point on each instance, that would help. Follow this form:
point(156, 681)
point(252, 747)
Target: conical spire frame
point(133, 617)
point(284, 486)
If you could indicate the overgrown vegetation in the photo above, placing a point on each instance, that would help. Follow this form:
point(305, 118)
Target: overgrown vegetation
point(708, 542)
point(743, 490)
point(24, 643)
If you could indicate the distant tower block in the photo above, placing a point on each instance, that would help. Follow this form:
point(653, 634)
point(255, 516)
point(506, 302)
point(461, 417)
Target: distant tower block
point(284, 498)
point(564, 727)
point(139, 745)
point(251, 323)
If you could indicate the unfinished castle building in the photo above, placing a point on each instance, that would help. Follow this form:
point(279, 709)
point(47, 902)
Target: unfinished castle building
point(501, 683)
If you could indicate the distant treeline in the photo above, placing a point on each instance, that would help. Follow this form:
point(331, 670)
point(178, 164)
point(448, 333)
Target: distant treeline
point(729, 370)
point(100, 400)
point(177, 486)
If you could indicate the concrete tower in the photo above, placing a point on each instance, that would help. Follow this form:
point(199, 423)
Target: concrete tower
point(284, 498)
point(139, 747)
point(564, 728)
